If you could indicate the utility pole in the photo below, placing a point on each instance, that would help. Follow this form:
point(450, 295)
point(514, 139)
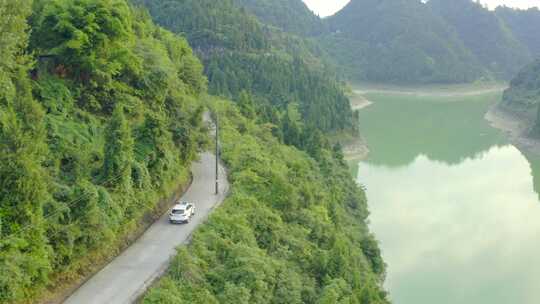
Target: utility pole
point(217, 154)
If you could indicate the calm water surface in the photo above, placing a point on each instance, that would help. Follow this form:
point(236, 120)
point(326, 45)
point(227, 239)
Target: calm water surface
point(454, 206)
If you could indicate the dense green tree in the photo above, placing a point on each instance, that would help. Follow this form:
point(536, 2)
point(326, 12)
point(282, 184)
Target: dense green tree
point(246, 105)
point(292, 126)
point(289, 15)
point(118, 155)
point(209, 25)
point(14, 27)
point(523, 96)
point(241, 54)
point(24, 252)
point(88, 38)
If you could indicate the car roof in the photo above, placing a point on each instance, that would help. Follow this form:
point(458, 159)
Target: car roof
point(180, 207)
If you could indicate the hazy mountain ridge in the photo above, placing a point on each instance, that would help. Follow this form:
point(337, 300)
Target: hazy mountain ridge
point(488, 37)
point(407, 41)
point(400, 41)
point(525, 25)
point(289, 15)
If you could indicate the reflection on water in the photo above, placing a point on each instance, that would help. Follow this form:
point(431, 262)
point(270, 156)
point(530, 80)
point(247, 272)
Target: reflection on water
point(534, 162)
point(450, 129)
point(454, 207)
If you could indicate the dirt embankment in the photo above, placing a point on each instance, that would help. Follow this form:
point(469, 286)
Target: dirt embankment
point(515, 125)
point(358, 102)
point(355, 147)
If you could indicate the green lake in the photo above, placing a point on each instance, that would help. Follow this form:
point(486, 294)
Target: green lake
point(455, 207)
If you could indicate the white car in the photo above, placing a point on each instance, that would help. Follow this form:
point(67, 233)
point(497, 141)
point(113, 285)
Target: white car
point(181, 213)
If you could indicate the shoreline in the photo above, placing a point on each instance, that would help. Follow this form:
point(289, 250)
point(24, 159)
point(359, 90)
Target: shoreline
point(359, 101)
point(450, 90)
point(355, 148)
point(514, 126)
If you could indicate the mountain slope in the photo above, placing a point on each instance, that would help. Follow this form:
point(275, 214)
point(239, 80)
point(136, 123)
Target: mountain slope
point(523, 96)
point(279, 73)
point(398, 41)
point(293, 230)
point(485, 34)
point(524, 24)
point(289, 15)
point(100, 118)
point(105, 127)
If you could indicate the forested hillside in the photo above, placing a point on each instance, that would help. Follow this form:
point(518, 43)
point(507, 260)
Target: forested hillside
point(291, 231)
point(408, 41)
point(523, 96)
point(99, 119)
point(398, 41)
point(289, 15)
point(486, 35)
point(524, 24)
point(280, 74)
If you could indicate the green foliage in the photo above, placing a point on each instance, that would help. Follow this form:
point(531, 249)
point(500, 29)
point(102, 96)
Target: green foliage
point(24, 257)
point(91, 38)
point(14, 37)
point(278, 82)
point(243, 55)
point(524, 89)
point(292, 230)
point(289, 15)
point(523, 95)
point(109, 125)
point(208, 25)
point(118, 151)
point(246, 105)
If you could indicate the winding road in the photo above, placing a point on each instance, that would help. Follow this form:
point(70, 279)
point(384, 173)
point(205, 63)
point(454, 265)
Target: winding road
point(128, 276)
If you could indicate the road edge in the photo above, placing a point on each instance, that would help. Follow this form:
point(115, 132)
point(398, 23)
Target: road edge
point(162, 271)
point(60, 296)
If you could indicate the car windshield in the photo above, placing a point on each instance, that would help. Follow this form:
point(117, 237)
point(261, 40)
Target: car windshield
point(178, 211)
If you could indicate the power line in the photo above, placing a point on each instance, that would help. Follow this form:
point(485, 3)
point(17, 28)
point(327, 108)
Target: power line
point(68, 205)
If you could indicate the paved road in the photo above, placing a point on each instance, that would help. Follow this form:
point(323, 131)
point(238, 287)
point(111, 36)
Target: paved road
point(130, 274)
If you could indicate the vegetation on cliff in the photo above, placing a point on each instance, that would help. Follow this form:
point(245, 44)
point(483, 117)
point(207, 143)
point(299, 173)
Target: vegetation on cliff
point(277, 70)
point(293, 229)
point(99, 119)
point(523, 96)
